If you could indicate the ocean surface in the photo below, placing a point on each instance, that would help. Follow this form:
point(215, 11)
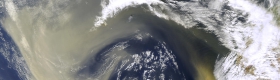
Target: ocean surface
point(139, 39)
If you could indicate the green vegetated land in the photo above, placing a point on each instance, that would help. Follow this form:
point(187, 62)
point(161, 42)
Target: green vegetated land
point(276, 13)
